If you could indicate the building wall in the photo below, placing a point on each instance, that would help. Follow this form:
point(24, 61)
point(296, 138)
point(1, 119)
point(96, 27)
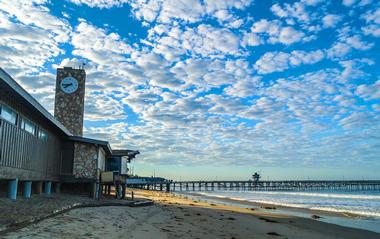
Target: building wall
point(85, 161)
point(22, 154)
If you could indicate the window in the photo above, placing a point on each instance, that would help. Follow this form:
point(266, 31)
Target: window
point(42, 135)
point(28, 126)
point(8, 114)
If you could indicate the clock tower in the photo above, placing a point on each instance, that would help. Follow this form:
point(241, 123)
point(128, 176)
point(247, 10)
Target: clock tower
point(69, 98)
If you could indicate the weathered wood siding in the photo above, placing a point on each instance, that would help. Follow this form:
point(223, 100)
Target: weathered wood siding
point(27, 157)
point(22, 154)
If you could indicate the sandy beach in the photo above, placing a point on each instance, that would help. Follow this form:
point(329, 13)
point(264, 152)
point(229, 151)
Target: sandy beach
point(177, 217)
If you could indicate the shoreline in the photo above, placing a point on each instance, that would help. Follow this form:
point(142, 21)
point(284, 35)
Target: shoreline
point(346, 219)
point(277, 207)
point(172, 217)
point(258, 211)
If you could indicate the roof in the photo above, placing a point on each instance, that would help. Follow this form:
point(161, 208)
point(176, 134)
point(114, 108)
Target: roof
point(33, 102)
point(104, 144)
point(125, 152)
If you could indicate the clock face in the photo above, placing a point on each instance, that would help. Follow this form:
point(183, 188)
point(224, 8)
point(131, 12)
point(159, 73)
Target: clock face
point(69, 85)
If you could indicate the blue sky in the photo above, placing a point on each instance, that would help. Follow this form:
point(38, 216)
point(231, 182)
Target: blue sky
point(211, 89)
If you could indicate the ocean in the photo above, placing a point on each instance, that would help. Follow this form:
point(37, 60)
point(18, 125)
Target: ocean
point(363, 205)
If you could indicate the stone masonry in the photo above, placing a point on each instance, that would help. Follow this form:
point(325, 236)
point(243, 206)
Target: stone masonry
point(85, 161)
point(69, 108)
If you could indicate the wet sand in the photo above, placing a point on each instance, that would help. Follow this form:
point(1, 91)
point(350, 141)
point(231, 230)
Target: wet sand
point(178, 217)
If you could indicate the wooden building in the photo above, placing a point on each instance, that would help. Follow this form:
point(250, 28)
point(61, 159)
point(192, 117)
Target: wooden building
point(40, 152)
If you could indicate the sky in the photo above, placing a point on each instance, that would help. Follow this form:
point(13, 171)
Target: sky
point(213, 89)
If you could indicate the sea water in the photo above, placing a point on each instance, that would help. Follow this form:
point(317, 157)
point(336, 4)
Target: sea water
point(365, 205)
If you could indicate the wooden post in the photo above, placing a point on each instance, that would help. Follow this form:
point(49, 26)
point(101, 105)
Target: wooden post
point(123, 191)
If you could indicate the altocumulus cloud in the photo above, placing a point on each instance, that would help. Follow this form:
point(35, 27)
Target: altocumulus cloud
point(211, 82)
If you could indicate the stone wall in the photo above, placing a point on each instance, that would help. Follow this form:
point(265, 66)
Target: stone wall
point(69, 108)
point(85, 161)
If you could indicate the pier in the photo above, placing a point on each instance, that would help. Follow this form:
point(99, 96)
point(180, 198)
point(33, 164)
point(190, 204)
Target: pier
point(305, 185)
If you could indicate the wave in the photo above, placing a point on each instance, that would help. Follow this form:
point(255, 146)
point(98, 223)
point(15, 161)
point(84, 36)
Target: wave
point(307, 194)
point(360, 205)
point(327, 195)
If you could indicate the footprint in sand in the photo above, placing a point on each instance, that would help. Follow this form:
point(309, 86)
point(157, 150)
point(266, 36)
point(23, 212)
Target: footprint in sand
point(267, 220)
point(273, 234)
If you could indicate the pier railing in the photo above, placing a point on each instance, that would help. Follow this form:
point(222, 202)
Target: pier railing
point(303, 185)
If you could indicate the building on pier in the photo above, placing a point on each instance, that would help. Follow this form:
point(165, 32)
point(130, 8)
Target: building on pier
point(40, 152)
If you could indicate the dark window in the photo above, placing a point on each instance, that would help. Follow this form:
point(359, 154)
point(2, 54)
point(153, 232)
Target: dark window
point(42, 135)
point(28, 126)
point(8, 114)
point(113, 164)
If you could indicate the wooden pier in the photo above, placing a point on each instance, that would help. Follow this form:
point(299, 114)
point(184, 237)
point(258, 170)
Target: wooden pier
point(306, 185)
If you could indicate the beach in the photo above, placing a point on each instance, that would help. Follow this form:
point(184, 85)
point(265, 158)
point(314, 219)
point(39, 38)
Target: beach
point(174, 216)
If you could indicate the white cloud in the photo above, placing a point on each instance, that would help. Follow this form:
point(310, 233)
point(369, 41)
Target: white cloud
point(275, 32)
point(346, 43)
point(296, 11)
point(372, 18)
point(189, 11)
point(331, 20)
point(251, 39)
point(204, 40)
point(30, 36)
point(289, 35)
point(369, 92)
point(280, 61)
point(100, 3)
point(95, 43)
point(348, 3)
point(191, 86)
point(244, 88)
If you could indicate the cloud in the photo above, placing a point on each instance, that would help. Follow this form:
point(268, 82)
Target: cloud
point(193, 79)
point(348, 3)
point(100, 3)
point(280, 61)
point(244, 87)
point(201, 41)
point(96, 44)
point(331, 20)
point(296, 11)
point(30, 39)
point(372, 18)
point(274, 32)
point(189, 11)
point(346, 43)
point(30, 36)
point(369, 92)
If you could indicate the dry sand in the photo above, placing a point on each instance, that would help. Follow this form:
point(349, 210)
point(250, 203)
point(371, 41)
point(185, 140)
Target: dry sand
point(177, 217)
